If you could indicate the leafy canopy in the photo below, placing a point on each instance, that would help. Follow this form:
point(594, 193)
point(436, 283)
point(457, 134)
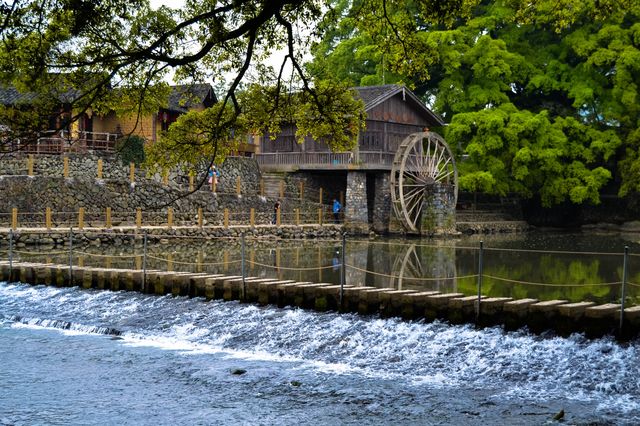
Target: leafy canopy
point(542, 97)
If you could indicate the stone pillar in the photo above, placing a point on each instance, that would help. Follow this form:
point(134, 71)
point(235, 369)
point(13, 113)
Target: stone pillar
point(438, 210)
point(355, 214)
point(381, 203)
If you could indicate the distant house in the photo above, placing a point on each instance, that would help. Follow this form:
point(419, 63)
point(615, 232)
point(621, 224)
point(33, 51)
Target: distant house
point(393, 112)
point(95, 131)
point(182, 99)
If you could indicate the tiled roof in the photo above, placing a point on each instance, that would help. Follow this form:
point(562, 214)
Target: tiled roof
point(373, 96)
point(183, 97)
point(11, 96)
point(369, 94)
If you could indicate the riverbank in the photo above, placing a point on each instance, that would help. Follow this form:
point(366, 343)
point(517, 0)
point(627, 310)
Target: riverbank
point(124, 235)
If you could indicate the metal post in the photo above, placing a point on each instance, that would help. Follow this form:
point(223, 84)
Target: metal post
point(624, 284)
point(144, 263)
point(479, 280)
point(342, 268)
point(244, 284)
point(71, 256)
point(10, 254)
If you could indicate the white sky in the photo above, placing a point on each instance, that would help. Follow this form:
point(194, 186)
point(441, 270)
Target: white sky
point(275, 60)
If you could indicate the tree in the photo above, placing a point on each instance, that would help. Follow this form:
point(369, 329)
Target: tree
point(116, 55)
point(541, 96)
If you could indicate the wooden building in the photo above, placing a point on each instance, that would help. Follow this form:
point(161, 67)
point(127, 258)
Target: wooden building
point(360, 178)
point(393, 113)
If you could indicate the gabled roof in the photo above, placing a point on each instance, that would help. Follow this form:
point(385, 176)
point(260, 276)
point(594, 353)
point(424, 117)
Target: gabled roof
point(372, 96)
point(10, 96)
point(183, 97)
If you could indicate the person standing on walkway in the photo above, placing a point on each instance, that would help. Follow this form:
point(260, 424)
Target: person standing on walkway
point(336, 210)
point(276, 210)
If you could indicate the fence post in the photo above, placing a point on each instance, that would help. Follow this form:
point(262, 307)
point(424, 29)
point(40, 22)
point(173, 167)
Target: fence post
point(278, 216)
point(252, 217)
point(480, 266)
point(71, 256)
point(30, 165)
point(99, 168)
point(47, 218)
point(132, 172)
point(81, 218)
point(170, 262)
point(144, 263)
point(624, 284)
point(169, 217)
point(138, 217)
point(342, 268)
point(14, 218)
point(165, 178)
point(10, 254)
point(238, 186)
point(226, 218)
point(65, 167)
point(244, 284)
point(108, 218)
point(301, 189)
point(321, 191)
point(200, 218)
point(191, 185)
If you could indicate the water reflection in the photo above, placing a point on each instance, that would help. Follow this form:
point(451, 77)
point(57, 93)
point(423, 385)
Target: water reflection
point(545, 266)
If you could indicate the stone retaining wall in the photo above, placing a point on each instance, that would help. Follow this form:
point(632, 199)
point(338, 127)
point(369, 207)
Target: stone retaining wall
point(123, 235)
point(85, 167)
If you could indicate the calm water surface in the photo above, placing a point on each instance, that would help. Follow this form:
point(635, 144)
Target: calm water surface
point(71, 356)
point(572, 266)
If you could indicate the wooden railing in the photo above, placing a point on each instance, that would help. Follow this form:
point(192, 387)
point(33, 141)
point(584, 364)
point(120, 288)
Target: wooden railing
point(325, 158)
point(63, 142)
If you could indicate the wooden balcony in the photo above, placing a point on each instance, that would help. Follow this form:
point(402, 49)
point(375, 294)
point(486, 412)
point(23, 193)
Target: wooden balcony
point(63, 142)
point(292, 161)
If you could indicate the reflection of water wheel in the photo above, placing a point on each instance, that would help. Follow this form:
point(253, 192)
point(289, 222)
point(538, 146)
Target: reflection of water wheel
point(421, 160)
point(417, 267)
point(407, 267)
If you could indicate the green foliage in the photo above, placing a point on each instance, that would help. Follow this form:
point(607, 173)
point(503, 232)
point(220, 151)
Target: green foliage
point(115, 55)
point(542, 97)
point(210, 134)
point(131, 149)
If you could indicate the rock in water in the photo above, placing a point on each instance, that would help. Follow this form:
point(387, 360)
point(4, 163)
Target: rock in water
point(238, 371)
point(559, 416)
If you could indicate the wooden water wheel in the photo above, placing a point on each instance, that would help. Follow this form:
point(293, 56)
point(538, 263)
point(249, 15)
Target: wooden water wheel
point(422, 160)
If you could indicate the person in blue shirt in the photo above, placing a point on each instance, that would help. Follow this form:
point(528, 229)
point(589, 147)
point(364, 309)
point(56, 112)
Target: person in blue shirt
point(336, 210)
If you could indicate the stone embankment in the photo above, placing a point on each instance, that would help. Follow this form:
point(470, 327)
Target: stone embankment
point(558, 315)
point(123, 235)
point(488, 222)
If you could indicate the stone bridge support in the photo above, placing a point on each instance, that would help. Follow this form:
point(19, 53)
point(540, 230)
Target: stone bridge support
point(356, 216)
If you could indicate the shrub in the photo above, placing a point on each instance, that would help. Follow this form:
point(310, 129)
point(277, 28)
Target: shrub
point(131, 149)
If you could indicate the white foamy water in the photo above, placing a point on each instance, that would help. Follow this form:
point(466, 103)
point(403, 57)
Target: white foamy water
point(504, 367)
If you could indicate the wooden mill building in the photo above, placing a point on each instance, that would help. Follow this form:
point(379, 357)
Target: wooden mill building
point(362, 175)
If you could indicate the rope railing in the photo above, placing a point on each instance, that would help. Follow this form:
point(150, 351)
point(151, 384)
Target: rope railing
point(162, 259)
point(409, 278)
point(318, 268)
point(550, 284)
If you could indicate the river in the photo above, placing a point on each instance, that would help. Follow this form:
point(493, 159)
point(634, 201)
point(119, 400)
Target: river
point(72, 356)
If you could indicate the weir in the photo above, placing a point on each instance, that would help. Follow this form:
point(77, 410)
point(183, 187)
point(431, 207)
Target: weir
point(559, 315)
